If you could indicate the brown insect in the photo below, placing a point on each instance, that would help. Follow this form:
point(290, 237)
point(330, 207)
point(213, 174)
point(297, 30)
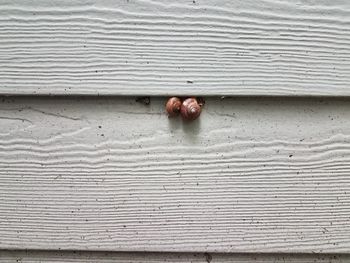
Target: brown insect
point(173, 106)
point(191, 109)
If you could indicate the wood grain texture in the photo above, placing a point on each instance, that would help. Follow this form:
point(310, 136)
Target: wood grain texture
point(108, 257)
point(251, 175)
point(192, 47)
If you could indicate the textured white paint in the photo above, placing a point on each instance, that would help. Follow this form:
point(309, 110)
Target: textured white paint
point(108, 257)
point(201, 47)
point(251, 175)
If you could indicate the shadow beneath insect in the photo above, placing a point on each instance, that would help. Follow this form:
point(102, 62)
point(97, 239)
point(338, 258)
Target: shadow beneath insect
point(174, 123)
point(191, 129)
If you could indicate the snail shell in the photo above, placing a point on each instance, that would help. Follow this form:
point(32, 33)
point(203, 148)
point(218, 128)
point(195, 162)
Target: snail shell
point(173, 106)
point(190, 109)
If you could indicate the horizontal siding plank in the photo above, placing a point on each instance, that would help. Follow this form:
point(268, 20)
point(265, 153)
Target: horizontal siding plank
point(117, 257)
point(251, 175)
point(188, 47)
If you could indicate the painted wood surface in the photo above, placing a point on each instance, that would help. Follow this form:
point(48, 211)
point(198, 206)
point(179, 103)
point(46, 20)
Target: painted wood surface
point(192, 47)
point(251, 175)
point(108, 257)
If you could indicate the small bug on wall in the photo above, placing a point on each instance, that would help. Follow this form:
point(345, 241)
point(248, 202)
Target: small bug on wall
point(189, 108)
